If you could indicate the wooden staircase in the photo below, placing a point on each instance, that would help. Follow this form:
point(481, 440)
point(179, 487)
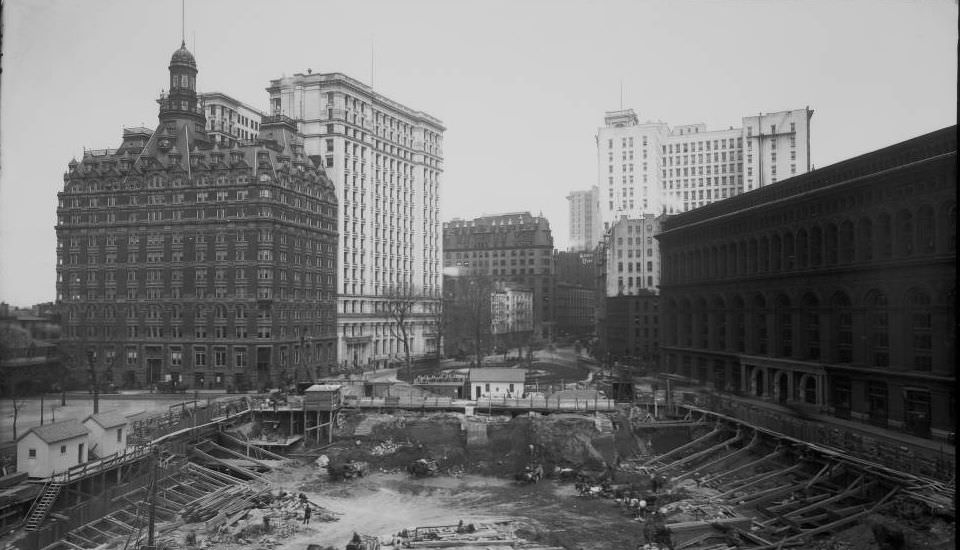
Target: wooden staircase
point(41, 506)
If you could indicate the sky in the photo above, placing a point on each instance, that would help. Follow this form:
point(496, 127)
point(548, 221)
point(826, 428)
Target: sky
point(521, 85)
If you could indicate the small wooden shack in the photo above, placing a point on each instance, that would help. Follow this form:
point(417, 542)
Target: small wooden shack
point(321, 404)
point(108, 433)
point(323, 397)
point(496, 382)
point(45, 450)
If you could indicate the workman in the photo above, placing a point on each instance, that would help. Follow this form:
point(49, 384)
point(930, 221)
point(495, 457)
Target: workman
point(306, 514)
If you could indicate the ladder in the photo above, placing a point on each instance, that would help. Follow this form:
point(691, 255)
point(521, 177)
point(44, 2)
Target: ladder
point(41, 506)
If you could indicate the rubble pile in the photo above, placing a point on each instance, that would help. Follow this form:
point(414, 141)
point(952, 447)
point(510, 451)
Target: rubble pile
point(274, 516)
point(387, 447)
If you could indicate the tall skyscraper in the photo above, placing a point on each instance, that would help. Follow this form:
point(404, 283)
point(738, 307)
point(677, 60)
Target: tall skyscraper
point(584, 219)
point(185, 263)
point(651, 168)
point(386, 160)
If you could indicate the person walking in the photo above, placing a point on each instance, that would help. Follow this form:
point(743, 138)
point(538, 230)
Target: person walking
point(306, 514)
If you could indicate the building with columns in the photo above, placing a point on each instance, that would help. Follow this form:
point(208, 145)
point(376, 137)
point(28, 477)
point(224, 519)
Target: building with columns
point(185, 263)
point(386, 161)
point(832, 292)
point(652, 168)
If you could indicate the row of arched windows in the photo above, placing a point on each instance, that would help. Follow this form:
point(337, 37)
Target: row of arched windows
point(904, 233)
point(871, 332)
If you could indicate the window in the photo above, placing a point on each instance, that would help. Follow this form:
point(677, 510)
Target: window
point(119, 435)
point(63, 449)
point(878, 320)
point(200, 357)
point(32, 453)
point(921, 325)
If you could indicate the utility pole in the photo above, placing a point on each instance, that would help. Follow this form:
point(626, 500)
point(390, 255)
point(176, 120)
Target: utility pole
point(153, 499)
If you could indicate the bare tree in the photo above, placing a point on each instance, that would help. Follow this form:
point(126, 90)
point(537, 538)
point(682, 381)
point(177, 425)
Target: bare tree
point(401, 301)
point(17, 405)
point(466, 317)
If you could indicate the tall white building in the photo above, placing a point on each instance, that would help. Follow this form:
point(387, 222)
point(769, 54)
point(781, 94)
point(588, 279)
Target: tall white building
point(584, 219)
point(386, 160)
point(230, 119)
point(653, 168)
point(632, 260)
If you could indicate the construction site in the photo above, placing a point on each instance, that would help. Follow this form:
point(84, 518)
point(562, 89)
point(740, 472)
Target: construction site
point(322, 470)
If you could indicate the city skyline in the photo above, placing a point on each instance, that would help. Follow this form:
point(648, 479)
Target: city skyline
point(521, 96)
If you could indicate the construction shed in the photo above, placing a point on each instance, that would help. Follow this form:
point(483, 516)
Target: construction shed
point(323, 397)
point(496, 382)
point(45, 450)
point(108, 433)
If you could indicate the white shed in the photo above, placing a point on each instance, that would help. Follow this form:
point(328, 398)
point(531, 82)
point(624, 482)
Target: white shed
point(108, 433)
point(44, 450)
point(496, 382)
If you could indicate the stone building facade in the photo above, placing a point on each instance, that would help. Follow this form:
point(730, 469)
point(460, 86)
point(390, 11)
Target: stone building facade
point(184, 263)
point(833, 291)
point(386, 162)
point(513, 248)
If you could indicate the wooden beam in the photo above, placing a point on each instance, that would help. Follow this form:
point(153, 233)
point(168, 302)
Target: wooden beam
point(716, 430)
point(757, 462)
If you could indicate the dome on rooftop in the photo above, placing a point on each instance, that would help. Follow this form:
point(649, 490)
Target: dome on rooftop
point(183, 57)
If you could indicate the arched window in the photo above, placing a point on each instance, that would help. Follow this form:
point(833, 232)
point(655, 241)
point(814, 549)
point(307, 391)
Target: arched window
point(221, 312)
point(701, 324)
point(776, 253)
point(752, 256)
point(732, 259)
point(846, 239)
point(921, 329)
point(843, 321)
point(720, 325)
point(763, 256)
point(760, 324)
point(686, 328)
point(831, 244)
point(904, 235)
point(789, 252)
point(200, 313)
point(784, 318)
point(816, 246)
point(739, 325)
point(926, 231)
point(878, 326)
point(811, 325)
point(865, 239)
point(884, 236)
point(803, 249)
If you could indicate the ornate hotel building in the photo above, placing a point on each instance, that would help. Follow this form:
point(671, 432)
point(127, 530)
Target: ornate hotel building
point(651, 168)
point(386, 160)
point(830, 293)
point(180, 261)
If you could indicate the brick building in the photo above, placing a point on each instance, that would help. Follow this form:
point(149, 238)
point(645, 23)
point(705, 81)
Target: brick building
point(833, 291)
point(513, 248)
point(180, 262)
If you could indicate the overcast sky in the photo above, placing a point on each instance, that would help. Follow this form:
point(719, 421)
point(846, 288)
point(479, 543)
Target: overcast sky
point(520, 85)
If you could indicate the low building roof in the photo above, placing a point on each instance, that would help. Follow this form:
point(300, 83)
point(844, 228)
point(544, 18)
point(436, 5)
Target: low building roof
point(497, 374)
point(323, 387)
point(107, 420)
point(58, 431)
